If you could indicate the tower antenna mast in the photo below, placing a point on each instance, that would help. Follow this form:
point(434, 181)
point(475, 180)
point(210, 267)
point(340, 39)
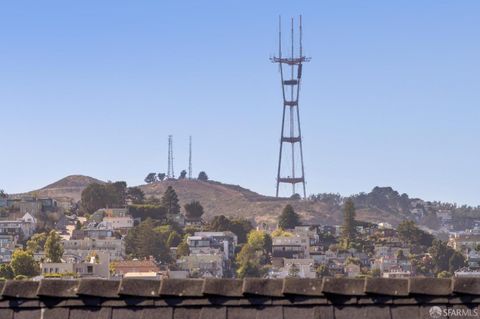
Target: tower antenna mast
point(170, 171)
point(291, 134)
point(190, 157)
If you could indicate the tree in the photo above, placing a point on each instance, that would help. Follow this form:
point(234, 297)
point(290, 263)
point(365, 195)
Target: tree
point(456, 261)
point(94, 197)
point(288, 219)
point(202, 176)
point(444, 274)
point(376, 272)
point(54, 247)
point(143, 212)
point(248, 263)
point(296, 196)
point(193, 209)
point(401, 255)
point(161, 176)
point(293, 271)
point(220, 223)
point(348, 227)
point(3, 194)
point(117, 193)
point(240, 227)
point(183, 174)
point(36, 243)
point(142, 241)
point(322, 271)
point(279, 232)
point(23, 263)
point(445, 258)
point(6, 271)
point(151, 178)
point(410, 233)
point(183, 249)
point(174, 239)
point(260, 241)
point(135, 195)
point(170, 201)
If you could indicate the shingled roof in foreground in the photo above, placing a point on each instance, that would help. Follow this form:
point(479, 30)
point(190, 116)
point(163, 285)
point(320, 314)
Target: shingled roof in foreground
point(242, 299)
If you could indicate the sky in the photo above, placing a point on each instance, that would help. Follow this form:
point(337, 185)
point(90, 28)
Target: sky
point(390, 97)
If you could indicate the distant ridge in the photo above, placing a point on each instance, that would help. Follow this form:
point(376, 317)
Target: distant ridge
point(74, 181)
point(382, 204)
point(70, 186)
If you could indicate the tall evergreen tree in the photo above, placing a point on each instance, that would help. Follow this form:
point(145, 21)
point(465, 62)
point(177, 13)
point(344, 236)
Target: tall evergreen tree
point(54, 247)
point(348, 227)
point(289, 218)
point(170, 201)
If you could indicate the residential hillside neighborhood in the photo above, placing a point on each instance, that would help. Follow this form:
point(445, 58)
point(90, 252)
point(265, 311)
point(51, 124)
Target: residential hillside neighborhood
point(115, 231)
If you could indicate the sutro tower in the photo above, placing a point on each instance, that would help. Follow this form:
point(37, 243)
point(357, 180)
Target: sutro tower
point(291, 75)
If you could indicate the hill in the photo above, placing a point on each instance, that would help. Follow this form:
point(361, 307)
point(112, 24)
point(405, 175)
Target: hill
point(382, 204)
point(236, 201)
point(70, 186)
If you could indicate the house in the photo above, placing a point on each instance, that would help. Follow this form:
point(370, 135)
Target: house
point(295, 247)
point(24, 226)
point(202, 265)
point(127, 268)
point(444, 215)
point(473, 259)
point(97, 266)
point(225, 241)
point(464, 241)
point(101, 230)
point(7, 246)
point(467, 272)
point(311, 232)
point(299, 268)
point(85, 246)
point(108, 212)
point(396, 273)
point(119, 222)
point(193, 221)
point(352, 270)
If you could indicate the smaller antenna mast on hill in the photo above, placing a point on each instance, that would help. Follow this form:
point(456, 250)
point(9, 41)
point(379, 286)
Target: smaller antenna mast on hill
point(170, 171)
point(190, 157)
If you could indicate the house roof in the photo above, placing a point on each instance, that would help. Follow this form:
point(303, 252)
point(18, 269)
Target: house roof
point(231, 298)
point(135, 266)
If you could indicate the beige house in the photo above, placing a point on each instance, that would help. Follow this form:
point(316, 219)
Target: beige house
point(202, 265)
point(96, 266)
point(83, 247)
point(119, 222)
point(464, 241)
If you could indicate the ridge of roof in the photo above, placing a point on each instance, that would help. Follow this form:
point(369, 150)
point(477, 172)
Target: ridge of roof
point(255, 298)
point(237, 288)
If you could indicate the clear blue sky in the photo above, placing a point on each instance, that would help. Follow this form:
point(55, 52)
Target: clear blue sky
point(390, 97)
